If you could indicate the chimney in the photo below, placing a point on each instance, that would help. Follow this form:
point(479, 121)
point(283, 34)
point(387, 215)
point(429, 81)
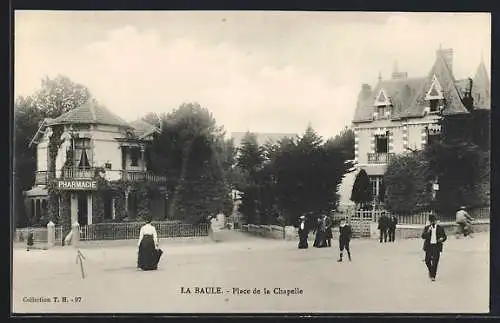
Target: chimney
point(366, 91)
point(447, 55)
point(396, 74)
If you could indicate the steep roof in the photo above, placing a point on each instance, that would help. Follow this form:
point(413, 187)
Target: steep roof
point(400, 91)
point(408, 95)
point(90, 113)
point(481, 88)
point(442, 71)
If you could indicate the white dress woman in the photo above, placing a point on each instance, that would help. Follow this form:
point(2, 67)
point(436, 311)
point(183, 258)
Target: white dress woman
point(149, 252)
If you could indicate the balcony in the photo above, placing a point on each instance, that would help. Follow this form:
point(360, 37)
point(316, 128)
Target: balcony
point(41, 177)
point(380, 158)
point(77, 173)
point(134, 176)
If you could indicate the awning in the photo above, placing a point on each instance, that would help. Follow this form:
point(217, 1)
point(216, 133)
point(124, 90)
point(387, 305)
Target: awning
point(375, 169)
point(36, 191)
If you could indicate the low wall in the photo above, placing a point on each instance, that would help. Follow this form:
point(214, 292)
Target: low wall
point(415, 231)
point(360, 230)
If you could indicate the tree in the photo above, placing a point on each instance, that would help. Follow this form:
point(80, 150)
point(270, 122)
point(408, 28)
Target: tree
point(60, 95)
point(251, 156)
point(249, 163)
point(344, 141)
point(362, 189)
point(26, 121)
point(192, 153)
point(463, 173)
point(408, 184)
point(308, 174)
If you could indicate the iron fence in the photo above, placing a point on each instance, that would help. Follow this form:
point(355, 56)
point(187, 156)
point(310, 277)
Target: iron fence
point(131, 230)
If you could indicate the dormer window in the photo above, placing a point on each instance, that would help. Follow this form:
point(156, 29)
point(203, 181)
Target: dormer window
point(382, 111)
point(382, 105)
point(435, 95)
point(434, 105)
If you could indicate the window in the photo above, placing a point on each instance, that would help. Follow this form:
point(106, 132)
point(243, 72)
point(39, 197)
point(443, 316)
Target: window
point(434, 105)
point(82, 150)
point(381, 111)
point(134, 157)
point(381, 144)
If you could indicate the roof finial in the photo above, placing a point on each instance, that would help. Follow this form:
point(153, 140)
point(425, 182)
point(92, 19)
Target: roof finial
point(380, 76)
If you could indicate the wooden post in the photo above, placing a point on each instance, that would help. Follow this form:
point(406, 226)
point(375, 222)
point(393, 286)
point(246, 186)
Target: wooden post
point(76, 234)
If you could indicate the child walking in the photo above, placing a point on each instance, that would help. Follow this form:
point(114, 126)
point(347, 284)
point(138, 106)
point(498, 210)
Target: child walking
point(344, 238)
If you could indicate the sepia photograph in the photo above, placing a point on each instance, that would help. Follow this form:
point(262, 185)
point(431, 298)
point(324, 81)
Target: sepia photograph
point(250, 162)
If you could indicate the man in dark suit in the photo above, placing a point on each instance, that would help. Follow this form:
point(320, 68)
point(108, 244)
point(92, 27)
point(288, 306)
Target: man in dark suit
point(383, 225)
point(393, 221)
point(434, 236)
point(345, 235)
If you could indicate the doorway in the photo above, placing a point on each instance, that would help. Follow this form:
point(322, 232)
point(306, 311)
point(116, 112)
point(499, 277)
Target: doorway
point(82, 208)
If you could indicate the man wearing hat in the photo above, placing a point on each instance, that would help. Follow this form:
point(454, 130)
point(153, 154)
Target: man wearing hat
point(434, 236)
point(345, 234)
point(464, 221)
point(303, 233)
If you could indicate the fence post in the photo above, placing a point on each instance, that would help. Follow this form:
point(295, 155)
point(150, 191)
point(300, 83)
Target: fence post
point(51, 234)
point(76, 234)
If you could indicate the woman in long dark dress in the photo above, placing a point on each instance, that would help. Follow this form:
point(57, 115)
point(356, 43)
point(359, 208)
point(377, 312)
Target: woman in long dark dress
point(149, 251)
point(303, 233)
point(328, 230)
point(319, 241)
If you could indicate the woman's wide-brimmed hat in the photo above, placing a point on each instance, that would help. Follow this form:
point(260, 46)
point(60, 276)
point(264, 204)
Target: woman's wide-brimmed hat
point(463, 207)
point(302, 217)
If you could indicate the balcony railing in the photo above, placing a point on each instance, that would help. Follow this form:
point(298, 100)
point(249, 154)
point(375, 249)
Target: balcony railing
point(78, 173)
point(41, 177)
point(134, 176)
point(380, 158)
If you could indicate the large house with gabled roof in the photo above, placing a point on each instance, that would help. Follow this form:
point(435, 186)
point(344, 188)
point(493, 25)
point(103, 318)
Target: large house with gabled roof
point(401, 114)
point(95, 146)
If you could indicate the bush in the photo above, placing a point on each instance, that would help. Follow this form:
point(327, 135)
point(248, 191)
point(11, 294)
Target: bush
point(407, 184)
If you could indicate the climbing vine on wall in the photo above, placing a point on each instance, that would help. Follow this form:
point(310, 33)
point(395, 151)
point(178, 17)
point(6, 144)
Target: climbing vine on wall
point(53, 195)
point(65, 211)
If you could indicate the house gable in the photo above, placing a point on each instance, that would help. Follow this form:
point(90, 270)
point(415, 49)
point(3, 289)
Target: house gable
point(435, 92)
point(440, 74)
point(382, 99)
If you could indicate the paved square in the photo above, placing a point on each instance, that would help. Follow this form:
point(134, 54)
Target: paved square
point(381, 278)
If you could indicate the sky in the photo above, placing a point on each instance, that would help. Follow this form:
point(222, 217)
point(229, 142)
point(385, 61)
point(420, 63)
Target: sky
point(274, 72)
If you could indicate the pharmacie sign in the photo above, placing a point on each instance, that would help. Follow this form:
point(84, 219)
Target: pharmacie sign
point(77, 185)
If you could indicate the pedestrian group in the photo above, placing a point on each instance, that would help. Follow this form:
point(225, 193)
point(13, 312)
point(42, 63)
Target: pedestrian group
point(434, 235)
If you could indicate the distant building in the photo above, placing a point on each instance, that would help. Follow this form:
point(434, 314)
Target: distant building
point(94, 143)
point(401, 114)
